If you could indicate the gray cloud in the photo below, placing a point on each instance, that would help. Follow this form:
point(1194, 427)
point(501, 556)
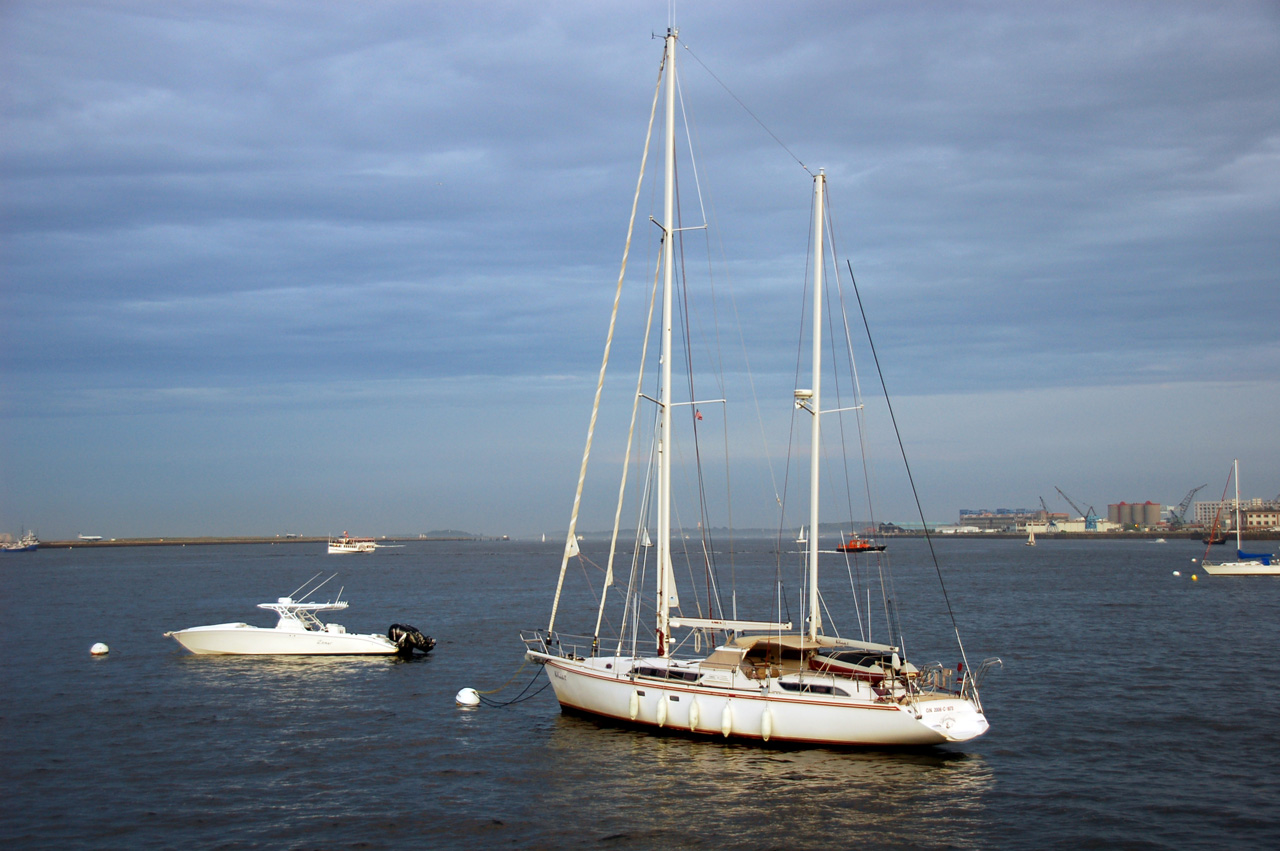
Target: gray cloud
point(218, 202)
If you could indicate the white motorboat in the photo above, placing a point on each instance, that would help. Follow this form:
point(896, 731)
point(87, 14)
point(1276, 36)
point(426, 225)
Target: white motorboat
point(344, 543)
point(761, 680)
point(1245, 564)
point(300, 632)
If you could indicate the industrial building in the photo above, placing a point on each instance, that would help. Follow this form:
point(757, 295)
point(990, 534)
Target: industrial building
point(1255, 514)
point(1146, 514)
point(1028, 520)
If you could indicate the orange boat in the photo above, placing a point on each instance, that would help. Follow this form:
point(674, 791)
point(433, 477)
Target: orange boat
point(860, 545)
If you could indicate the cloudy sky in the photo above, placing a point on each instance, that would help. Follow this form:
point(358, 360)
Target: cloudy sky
point(275, 267)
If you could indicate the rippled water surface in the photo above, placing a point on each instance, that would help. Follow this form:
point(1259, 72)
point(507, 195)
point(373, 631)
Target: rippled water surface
point(1135, 709)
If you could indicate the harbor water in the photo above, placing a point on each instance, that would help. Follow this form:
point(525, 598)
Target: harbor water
point(1135, 709)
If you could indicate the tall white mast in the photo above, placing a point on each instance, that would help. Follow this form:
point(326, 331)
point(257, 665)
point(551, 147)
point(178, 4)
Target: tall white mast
point(665, 573)
point(815, 614)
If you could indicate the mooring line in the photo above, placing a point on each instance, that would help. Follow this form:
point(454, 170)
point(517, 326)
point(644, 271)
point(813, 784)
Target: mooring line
point(519, 698)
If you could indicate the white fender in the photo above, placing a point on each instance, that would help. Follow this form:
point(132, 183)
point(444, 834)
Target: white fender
point(694, 712)
point(766, 724)
point(726, 720)
point(662, 710)
point(635, 703)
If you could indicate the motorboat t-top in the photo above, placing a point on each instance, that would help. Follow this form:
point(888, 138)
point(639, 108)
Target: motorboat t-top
point(300, 632)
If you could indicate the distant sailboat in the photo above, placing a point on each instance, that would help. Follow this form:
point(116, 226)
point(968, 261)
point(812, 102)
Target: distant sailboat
point(1031, 537)
point(1246, 564)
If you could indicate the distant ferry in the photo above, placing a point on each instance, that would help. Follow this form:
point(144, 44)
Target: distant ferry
point(89, 537)
point(346, 544)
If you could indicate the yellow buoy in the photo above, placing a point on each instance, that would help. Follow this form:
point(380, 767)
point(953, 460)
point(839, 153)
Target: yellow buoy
point(1195, 578)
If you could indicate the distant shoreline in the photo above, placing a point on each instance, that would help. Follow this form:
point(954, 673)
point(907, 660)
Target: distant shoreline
point(76, 543)
point(1040, 536)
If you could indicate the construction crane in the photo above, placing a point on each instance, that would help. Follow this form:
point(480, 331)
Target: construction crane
point(1089, 517)
point(1178, 517)
point(1048, 517)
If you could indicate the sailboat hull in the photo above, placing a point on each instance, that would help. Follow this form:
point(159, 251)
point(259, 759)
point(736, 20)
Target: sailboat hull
point(762, 711)
point(1241, 568)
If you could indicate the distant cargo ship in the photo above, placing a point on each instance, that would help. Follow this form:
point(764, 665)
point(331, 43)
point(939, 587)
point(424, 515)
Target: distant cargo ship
point(28, 543)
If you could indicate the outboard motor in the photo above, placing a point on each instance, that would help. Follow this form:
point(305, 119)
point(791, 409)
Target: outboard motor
point(406, 638)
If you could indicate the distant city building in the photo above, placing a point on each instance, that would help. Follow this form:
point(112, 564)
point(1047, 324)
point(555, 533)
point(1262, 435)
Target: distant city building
point(987, 512)
point(1207, 511)
point(1265, 518)
point(999, 520)
point(1257, 513)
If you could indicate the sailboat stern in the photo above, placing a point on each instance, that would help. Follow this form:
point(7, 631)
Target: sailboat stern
point(954, 719)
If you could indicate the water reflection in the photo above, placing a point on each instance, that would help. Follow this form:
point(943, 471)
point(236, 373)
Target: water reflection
point(299, 686)
point(746, 795)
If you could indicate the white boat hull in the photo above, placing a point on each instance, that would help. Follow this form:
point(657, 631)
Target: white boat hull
point(342, 549)
point(245, 640)
point(761, 711)
point(1241, 568)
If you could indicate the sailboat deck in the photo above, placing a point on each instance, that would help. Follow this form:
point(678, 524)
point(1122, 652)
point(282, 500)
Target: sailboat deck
point(774, 663)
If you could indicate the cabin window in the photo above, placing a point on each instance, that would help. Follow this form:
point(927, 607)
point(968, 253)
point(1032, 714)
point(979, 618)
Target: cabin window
point(815, 688)
point(858, 657)
point(668, 674)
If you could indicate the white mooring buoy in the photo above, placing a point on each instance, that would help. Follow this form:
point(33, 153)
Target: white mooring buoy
point(99, 649)
point(1177, 573)
point(467, 697)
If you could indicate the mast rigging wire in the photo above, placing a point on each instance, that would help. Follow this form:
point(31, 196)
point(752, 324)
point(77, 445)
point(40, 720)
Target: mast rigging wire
point(903, 449)
point(747, 109)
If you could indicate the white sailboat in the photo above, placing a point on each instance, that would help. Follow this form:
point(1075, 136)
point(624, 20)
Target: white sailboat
point(762, 680)
point(1245, 564)
point(1031, 537)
